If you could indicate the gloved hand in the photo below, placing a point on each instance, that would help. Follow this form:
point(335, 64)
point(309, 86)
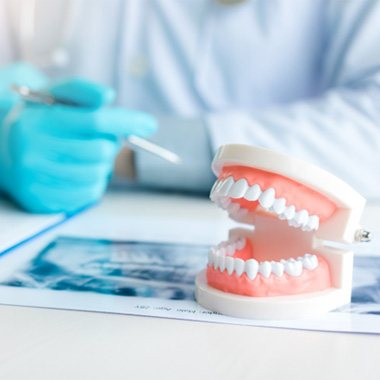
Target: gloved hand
point(59, 158)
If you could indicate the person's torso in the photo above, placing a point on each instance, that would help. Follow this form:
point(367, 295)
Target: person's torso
point(191, 56)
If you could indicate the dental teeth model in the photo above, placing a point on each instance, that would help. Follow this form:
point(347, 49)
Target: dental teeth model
point(280, 269)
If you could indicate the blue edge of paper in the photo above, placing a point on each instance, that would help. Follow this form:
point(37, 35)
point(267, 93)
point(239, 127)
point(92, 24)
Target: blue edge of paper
point(45, 230)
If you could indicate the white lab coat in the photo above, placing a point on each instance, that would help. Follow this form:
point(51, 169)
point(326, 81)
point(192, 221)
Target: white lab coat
point(302, 77)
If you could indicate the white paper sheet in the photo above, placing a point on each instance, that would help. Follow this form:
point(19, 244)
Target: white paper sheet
point(153, 279)
point(16, 225)
point(104, 271)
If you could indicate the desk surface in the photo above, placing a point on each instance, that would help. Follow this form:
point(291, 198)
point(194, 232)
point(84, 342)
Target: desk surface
point(56, 344)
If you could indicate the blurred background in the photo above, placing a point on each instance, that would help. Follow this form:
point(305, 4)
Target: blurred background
point(300, 77)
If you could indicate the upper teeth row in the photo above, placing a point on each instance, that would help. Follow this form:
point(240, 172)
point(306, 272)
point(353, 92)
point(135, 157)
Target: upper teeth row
point(293, 267)
point(229, 188)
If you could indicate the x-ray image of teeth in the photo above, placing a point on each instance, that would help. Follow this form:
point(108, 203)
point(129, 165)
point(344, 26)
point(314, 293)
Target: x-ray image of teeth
point(366, 286)
point(147, 269)
point(130, 268)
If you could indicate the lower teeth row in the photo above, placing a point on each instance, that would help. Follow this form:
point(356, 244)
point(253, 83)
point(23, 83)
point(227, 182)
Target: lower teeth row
point(220, 258)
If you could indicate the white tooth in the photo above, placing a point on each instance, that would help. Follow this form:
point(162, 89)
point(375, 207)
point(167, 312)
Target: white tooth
point(279, 205)
point(240, 244)
point(293, 267)
point(265, 268)
point(277, 268)
point(267, 198)
point(224, 202)
point(251, 268)
point(222, 263)
point(217, 254)
point(253, 193)
point(239, 188)
point(314, 260)
point(313, 222)
point(222, 251)
point(310, 261)
point(225, 188)
point(231, 249)
point(215, 188)
point(309, 224)
point(239, 266)
point(283, 261)
point(289, 212)
point(293, 223)
point(229, 264)
point(216, 261)
point(301, 217)
point(233, 208)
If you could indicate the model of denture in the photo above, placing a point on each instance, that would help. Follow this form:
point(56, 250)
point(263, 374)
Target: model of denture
point(284, 266)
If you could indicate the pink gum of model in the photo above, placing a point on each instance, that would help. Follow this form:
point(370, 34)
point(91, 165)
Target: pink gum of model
point(295, 193)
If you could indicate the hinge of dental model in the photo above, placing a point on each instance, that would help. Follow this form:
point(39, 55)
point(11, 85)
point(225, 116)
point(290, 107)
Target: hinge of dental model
point(363, 236)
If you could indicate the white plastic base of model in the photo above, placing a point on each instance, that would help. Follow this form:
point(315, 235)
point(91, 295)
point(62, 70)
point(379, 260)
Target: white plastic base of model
point(269, 308)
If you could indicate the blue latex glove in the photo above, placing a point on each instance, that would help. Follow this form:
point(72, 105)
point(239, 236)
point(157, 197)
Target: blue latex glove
point(59, 158)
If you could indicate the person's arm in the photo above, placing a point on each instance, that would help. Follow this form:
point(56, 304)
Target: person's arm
point(339, 131)
point(189, 139)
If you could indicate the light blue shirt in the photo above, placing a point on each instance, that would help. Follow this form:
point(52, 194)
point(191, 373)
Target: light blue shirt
point(301, 77)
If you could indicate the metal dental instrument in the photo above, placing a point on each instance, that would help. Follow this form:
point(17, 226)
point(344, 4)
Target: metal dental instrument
point(39, 97)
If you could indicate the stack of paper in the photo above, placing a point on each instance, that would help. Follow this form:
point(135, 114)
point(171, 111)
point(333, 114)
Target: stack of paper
point(17, 226)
